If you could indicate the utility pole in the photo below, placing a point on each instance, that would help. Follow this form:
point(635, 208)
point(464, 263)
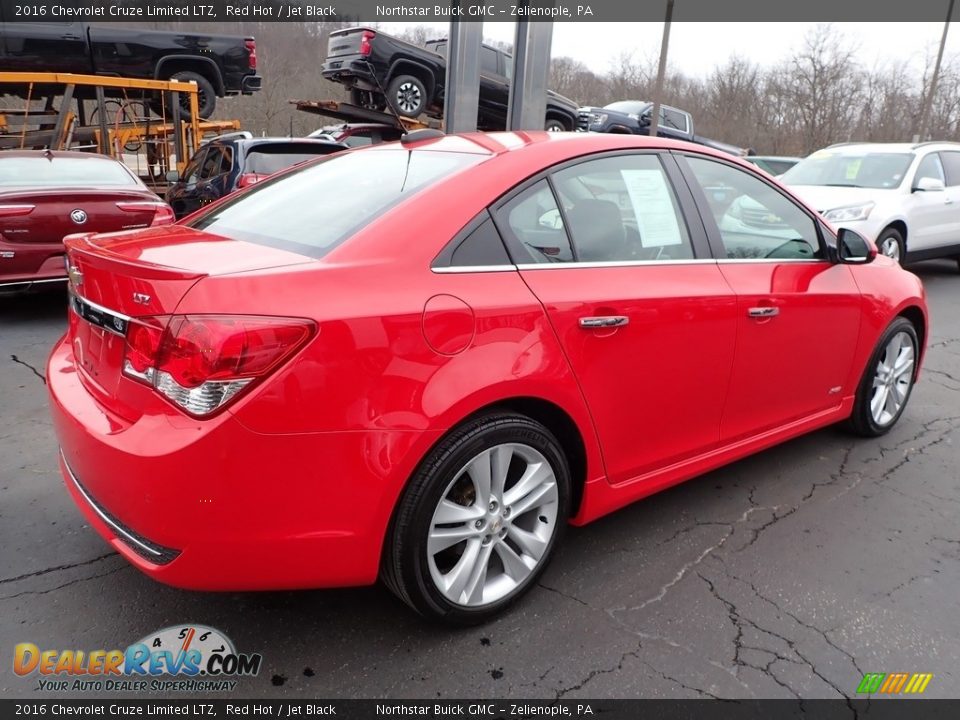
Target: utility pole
point(662, 69)
point(928, 102)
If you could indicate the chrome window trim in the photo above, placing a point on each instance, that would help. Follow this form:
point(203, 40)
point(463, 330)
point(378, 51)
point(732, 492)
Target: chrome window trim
point(102, 515)
point(728, 261)
point(457, 269)
point(616, 263)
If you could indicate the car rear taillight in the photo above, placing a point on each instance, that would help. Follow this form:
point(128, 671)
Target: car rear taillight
point(365, 39)
point(162, 213)
point(201, 363)
point(248, 179)
point(251, 46)
point(12, 210)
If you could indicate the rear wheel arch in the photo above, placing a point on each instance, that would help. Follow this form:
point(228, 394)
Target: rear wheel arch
point(172, 64)
point(549, 414)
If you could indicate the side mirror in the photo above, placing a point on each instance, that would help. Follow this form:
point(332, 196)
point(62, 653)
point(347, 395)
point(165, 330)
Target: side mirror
point(853, 248)
point(929, 184)
point(172, 176)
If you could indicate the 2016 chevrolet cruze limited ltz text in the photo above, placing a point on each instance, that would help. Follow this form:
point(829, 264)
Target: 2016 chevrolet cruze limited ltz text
point(419, 361)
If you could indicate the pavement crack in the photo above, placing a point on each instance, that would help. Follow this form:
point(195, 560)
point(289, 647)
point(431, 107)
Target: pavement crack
point(66, 584)
point(563, 594)
point(674, 680)
point(596, 673)
point(56, 568)
point(29, 367)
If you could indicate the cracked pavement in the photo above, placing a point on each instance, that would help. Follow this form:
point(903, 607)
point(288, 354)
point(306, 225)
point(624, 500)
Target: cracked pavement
point(786, 575)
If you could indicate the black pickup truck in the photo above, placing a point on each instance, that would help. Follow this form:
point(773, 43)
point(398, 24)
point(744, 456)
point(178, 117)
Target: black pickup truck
point(379, 68)
point(633, 117)
point(220, 64)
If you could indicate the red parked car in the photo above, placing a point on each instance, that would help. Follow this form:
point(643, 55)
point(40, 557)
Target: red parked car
point(419, 361)
point(45, 195)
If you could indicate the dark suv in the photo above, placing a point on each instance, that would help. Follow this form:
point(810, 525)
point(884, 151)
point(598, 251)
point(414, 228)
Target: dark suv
point(234, 161)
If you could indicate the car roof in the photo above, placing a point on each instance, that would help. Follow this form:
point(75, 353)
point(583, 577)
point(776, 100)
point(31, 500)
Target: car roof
point(247, 144)
point(855, 147)
point(54, 154)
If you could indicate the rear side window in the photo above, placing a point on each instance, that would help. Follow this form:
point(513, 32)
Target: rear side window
point(63, 172)
point(315, 208)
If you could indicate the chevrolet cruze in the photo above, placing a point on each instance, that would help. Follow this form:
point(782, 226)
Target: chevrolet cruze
point(419, 361)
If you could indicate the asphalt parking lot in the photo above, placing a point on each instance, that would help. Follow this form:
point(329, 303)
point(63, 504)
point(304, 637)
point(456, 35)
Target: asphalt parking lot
point(788, 574)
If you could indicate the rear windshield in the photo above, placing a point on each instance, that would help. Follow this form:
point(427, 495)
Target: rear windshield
point(311, 210)
point(268, 159)
point(62, 172)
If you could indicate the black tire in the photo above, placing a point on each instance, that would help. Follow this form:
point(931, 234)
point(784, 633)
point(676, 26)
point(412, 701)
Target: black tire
point(367, 99)
point(407, 95)
point(206, 97)
point(892, 236)
point(862, 420)
point(405, 566)
point(554, 125)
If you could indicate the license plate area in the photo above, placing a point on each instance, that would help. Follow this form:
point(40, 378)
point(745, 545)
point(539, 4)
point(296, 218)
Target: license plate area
point(98, 338)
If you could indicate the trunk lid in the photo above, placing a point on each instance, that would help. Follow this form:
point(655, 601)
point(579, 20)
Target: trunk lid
point(345, 42)
point(118, 278)
point(59, 212)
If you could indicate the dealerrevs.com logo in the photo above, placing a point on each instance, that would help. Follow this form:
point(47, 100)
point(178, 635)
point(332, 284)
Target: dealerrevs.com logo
point(179, 658)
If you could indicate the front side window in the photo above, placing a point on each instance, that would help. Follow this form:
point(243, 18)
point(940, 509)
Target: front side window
point(488, 61)
point(930, 167)
point(755, 220)
point(622, 209)
point(211, 163)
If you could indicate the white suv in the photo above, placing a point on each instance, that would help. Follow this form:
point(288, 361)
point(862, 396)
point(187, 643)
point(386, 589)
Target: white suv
point(904, 197)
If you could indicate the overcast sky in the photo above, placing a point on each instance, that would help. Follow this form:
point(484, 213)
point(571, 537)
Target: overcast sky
point(696, 48)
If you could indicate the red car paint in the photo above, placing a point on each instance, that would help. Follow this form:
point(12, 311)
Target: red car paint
point(36, 213)
point(293, 484)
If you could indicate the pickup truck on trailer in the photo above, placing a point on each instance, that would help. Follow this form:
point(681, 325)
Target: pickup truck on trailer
point(221, 65)
point(379, 68)
point(633, 117)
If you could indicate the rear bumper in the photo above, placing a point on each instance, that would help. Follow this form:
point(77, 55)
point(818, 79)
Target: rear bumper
point(212, 505)
point(251, 84)
point(23, 265)
point(351, 71)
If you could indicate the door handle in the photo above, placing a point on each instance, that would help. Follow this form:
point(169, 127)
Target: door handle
point(70, 36)
point(948, 201)
point(763, 312)
point(604, 321)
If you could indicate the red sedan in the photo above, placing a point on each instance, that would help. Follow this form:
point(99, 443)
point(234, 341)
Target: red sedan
point(45, 195)
point(419, 361)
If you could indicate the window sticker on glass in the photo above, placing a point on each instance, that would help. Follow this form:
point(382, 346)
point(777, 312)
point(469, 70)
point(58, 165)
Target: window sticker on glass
point(653, 207)
point(853, 169)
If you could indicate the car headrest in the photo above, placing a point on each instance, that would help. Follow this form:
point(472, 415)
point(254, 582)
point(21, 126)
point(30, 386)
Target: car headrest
point(597, 230)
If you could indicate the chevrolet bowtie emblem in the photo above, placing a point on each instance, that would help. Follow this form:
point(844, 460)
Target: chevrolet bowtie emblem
point(76, 277)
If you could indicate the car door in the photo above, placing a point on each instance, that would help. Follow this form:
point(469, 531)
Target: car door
point(644, 316)
point(45, 47)
point(931, 214)
point(182, 195)
point(951, 200)
point(798, 312)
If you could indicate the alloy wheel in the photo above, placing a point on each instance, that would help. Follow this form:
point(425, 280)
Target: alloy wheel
point(493, 525)
point(892, 379)
point(890, 247)
point(408, 97)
